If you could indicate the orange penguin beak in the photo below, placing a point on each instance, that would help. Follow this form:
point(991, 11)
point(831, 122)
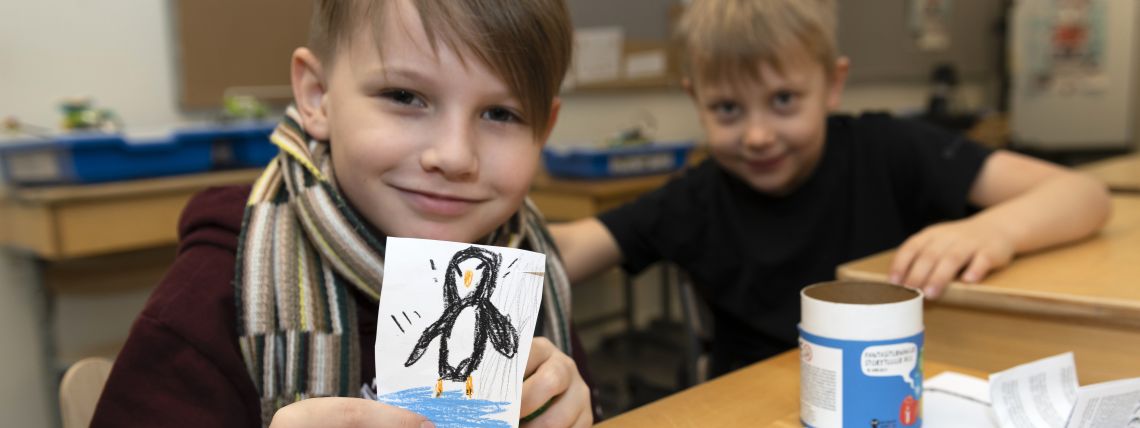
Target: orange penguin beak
point(467, 278)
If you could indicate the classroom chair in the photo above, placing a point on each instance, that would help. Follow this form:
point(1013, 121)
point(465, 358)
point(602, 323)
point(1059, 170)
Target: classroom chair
point(80, 389)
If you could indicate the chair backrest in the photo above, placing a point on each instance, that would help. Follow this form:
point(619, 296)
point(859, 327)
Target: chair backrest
point(80, 389)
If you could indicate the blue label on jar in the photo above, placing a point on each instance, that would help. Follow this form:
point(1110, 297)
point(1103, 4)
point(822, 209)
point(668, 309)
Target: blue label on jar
point(853, 383)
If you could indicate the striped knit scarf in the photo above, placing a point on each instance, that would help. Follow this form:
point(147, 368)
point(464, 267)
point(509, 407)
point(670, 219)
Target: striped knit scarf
point(301, 251)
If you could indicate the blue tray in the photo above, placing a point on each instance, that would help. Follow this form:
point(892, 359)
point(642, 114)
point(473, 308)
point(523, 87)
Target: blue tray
point(235, 145)
point(98, 157)
point(589, 162)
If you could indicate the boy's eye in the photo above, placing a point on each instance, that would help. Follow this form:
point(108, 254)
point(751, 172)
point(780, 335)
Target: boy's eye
point(783, 100)
point(404, 97)
point(501, 114)
point(725, 110)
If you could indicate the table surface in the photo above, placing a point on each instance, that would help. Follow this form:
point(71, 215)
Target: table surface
point(1094, 279)
point(78, 221)
point(765, 394)
point(567, 200)
point(1121, 173)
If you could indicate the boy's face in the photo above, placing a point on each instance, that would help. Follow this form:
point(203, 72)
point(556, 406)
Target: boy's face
point(424, 144)
point(770, 133)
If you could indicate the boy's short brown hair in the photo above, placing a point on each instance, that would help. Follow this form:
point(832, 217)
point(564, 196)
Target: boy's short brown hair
point(527, 43)
point(722, 38)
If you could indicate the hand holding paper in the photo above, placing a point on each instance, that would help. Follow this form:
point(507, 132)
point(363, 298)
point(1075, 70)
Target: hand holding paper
point(553, 393)
point(334, 412)
point(454, 330)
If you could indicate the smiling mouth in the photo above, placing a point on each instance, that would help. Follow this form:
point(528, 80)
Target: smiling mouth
point(438, 204)
point(763, 165)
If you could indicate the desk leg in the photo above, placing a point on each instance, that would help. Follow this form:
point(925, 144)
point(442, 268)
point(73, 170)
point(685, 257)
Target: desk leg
point(54, 367)
point(52, 371)
point(627, 291)
point(666, 292)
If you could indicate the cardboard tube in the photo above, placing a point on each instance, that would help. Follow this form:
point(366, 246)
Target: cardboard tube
point(860, 355)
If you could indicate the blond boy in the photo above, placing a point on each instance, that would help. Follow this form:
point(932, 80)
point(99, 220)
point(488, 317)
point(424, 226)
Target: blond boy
point(792, 191)
point(411, 118)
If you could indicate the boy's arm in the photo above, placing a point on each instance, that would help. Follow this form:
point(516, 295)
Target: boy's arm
point(1029, 205)
point(587, 248)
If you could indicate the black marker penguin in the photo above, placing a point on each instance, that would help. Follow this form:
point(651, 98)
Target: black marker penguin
point(489, 322)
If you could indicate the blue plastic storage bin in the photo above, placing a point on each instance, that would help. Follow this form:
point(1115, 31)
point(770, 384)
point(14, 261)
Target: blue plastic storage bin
point(234, 145)
point(98, 157)
point(589, 162)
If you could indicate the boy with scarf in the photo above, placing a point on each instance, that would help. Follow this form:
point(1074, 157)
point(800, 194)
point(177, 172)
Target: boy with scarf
point(411, 118)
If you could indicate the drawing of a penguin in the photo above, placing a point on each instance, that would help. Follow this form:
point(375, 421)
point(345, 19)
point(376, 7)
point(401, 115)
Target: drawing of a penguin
point(489, 322)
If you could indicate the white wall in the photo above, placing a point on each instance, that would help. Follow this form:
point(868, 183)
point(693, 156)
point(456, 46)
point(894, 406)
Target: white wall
point(117, 51)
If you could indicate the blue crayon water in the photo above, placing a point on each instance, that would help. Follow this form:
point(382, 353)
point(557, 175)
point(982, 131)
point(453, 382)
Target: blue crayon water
point(860, 355)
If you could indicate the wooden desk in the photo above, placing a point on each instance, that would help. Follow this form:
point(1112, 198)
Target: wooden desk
point(563, 199)
point(100, 238)
point(765, 394)
point(1122, 173)
point(68, 222)
point(1083, 297)
point(568, 200)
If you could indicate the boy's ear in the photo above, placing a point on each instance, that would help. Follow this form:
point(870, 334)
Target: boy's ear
point(837, 82)
point(555, 106)
point(309, 91)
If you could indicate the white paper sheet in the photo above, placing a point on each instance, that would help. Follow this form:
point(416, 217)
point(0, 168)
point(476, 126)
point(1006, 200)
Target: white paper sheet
point(1021, 397)
point(597, 53)
point(645, 64)
point(955, 400)
point(1108, 404)
point(451, 312)
point(1037, 394)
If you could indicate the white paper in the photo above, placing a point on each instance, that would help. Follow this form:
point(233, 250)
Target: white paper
point(952, 400)
point(597, 53)
point(645, 64)
point(1108, 404)
point(1035, 395)
point(481, 331)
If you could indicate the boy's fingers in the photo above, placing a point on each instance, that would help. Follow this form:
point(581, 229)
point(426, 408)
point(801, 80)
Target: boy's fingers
point(979, 267)
point(550, 380)
point(919, 271)
point(927, 260)
point(585, 418)
point(540, 350)
point(565, 409)
point(900, 266)
point(945, 272)
point(346, 412)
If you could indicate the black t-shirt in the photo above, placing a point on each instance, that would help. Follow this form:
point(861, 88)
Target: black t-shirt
point(879, 181)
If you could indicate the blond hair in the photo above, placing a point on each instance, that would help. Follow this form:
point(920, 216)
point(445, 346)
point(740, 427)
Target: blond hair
point(526, 43)
point(724, 38)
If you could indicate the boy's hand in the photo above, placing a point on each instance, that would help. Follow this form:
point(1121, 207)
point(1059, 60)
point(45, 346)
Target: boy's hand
point(552, 381)
point(934, 257)
point(346, 412)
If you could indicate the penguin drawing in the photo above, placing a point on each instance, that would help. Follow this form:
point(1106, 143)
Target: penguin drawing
point(489, 322)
